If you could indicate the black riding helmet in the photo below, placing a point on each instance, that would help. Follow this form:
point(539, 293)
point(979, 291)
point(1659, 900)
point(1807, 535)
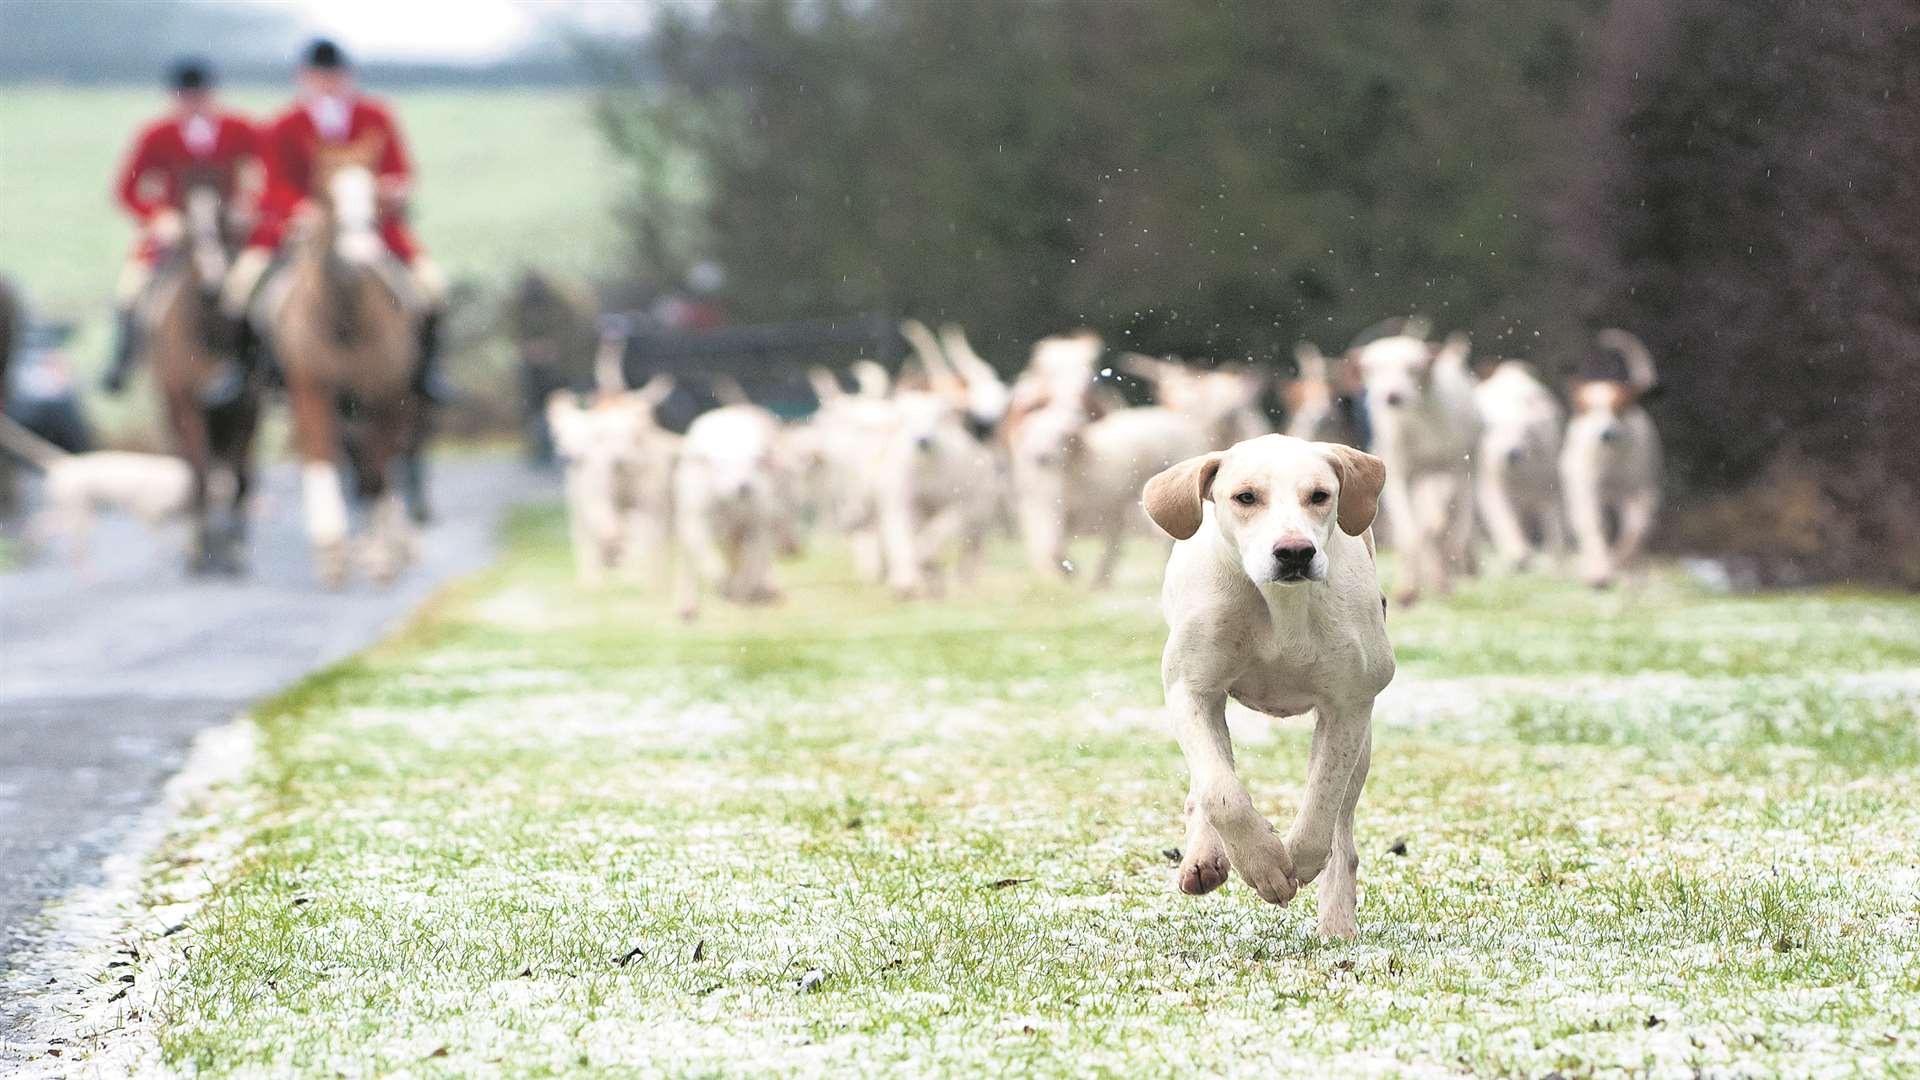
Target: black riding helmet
point(190, 73)
point(324, 55)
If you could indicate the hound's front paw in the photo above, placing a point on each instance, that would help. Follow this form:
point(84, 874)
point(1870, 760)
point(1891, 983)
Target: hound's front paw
point(1206, 865)
point(1265, 865)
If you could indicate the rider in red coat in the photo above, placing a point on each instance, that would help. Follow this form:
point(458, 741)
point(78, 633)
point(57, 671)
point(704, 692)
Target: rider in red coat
point(196, 143)
point(330, 111)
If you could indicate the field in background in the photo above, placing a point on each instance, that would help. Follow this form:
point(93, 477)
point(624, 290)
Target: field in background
point(1653, 832)
point(508, 178)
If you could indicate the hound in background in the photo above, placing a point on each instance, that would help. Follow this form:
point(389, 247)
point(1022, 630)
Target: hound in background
point(156, 488)
point(1518, 475)
point(1272, 599)
point(1425, 427)
point(849, 434)
point(729, 502)
point(1611, 463)
point(619, 478)
point(954, 371)
point(1319, 409)
point(1061, 370)
point(1225, 402)
point(1075, 476)
point(934, 486)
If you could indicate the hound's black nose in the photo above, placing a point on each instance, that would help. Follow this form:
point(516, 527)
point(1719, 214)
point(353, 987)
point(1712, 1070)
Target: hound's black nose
point(1294, 556)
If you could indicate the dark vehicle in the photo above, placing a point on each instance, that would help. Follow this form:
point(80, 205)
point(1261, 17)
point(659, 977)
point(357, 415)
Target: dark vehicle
point(42, 393)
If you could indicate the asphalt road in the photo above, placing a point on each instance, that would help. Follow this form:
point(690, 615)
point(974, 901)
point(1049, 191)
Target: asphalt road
point(106, 678)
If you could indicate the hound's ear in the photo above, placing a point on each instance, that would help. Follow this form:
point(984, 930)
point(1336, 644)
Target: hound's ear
point(1361, 477)
point(1174, 499)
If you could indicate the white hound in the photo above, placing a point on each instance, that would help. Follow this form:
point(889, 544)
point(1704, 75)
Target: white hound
point(619, 478)
point(156, 488)
point(1078, 477)
point(1225, 402)
point(1611, 463)
point(729, 506)
point(1271, 598)
point(935, 485)
point(1424, 427)
point(1518, 475)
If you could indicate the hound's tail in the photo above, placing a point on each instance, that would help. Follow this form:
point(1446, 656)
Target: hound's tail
point(1313, 363)
point(727, 390)
point(826, 385)
point(927, 349)
point(609, 360)
point(872, 379)
point(1633, 352)
point(28, 447)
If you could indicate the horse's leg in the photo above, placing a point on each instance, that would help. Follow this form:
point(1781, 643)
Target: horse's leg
point(233, 430)
point(192, 441)
point(416, 465)
point(389, 528)
point(315, 437)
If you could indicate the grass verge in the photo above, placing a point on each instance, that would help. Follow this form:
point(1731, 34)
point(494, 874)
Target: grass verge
point(547, 832)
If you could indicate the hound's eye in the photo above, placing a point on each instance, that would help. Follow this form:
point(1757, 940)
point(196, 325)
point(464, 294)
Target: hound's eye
point(1246, 498)
point(1319, 498)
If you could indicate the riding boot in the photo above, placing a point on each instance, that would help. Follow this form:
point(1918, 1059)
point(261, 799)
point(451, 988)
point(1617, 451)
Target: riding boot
point(125, 342)
point(427, 380)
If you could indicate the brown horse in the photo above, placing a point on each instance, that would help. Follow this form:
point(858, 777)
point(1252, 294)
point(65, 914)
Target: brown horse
point(182, 314)
point(344, 324)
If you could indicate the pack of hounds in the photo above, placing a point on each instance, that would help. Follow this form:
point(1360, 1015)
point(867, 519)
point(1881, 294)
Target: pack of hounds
point(918, 471)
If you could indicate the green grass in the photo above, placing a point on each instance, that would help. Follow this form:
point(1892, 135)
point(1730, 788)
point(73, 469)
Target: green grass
point(507, 179)
point(546, 832)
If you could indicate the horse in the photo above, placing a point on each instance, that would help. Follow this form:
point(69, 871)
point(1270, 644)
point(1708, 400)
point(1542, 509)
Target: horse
point(181, 310)
point(343, 320)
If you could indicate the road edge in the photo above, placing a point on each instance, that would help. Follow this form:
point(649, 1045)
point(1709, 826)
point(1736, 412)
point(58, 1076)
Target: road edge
point(84, 997)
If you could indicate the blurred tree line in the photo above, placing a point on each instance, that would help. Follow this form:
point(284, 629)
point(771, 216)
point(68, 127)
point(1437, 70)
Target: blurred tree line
point(1217, 178)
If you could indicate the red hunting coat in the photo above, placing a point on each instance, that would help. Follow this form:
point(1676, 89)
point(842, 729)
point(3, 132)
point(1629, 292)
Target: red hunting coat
point(290, 143)
point(163, 164)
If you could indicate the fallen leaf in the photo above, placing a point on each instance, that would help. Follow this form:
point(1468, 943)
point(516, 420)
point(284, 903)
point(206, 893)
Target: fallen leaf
point(628, 957)
point(1399, 847)
point(1008, 882)
point(438, 1051)
point(1172, 854)
point(699, 950)
point(525, 972)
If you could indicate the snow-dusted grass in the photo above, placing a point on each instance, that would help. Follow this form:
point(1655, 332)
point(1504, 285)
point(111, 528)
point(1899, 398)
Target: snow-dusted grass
point(545, 832)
